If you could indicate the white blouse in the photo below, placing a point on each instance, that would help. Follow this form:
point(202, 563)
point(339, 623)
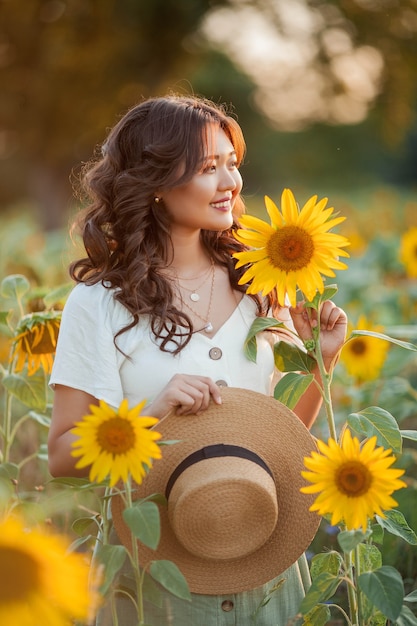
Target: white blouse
point(88, 359)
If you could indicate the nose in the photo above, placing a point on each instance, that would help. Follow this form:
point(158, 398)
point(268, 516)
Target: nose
point(230, 180)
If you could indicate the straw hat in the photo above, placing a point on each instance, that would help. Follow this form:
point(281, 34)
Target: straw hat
point(235, 517)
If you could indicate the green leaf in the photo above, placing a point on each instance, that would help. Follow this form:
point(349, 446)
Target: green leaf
point(5, 319)
point(9, 471)
point(326, 562)
point(59, 294)
point(76, 483)
point(376, 421)
point(81, 524)
point(169, 576)
point(371, 333)
point(409, 434)
point(30, 390)
point(396, 524)
point(291, 387)
point(258, 325)
point(349, 539)
point(43, 420)
point(14, 286)
point(319, 616)
point(143, 520)
point(152, 592)
point(411, 597)
point(406, 617)
point(328, 293)
point(113, 558)
point(322, 588)
point(290, 358)
point(385, 589)
point(370, 558)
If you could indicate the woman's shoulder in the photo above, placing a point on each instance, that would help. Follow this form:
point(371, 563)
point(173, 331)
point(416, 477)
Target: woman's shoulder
point(98, 302)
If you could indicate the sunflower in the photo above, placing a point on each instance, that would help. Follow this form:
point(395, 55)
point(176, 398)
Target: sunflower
point(354, 483)
point(116, 442)
point(41, 582)
point(35, 341)
point(408, 252)
point(364, 356)
point(295, 249)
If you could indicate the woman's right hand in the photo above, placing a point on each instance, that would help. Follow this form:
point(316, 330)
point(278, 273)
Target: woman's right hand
point(188, 394)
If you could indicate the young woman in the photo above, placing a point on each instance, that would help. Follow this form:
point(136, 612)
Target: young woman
point(158, 313)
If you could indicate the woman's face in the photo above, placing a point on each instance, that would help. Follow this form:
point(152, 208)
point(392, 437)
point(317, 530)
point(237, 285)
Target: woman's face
point(206, 201)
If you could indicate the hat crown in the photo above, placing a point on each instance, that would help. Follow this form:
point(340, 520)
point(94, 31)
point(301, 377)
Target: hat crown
point(223, 507)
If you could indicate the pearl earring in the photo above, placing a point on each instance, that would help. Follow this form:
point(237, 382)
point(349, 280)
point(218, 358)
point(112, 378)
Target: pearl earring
point(157, 199)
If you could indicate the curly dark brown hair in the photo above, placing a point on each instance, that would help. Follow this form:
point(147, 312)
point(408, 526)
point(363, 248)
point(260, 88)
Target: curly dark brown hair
point(158, 144)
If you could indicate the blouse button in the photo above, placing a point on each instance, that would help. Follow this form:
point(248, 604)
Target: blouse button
point(215, 354)
point(221, 383)
point(227, 605)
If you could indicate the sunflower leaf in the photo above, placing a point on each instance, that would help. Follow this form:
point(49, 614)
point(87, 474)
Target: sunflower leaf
point(328, 292)
point(143, 520)
point(406, 617)
point(14, 286)
point(371, 333)
point(112, 557)
point(29, 390)
point(411, 597)
point(319, 616)
point(377, 421)
point(409, 434)
point(323, 587)
point(349, 539)
point(258, 325)
point(169, 576)
point(326, 562)
point(291, 387)
point(395, 523)
point(290, 358)
point(385, 589)
point(59, 294)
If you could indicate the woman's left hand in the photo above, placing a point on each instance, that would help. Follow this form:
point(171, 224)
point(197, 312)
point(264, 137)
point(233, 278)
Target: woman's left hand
point(333, 326)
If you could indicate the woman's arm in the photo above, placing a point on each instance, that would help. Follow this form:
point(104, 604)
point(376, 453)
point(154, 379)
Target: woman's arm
point(70, 406)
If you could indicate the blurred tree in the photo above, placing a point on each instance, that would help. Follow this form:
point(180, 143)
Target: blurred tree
point(68, 68)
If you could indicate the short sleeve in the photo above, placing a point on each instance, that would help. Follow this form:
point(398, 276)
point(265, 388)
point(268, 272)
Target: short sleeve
point(86, 356)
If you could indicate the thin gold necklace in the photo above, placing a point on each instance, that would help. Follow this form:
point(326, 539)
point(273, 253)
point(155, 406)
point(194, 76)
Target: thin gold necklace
point(194, 296)
point(208, 326)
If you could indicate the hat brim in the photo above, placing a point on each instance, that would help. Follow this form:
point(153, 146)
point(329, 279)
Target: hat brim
point(270, 429)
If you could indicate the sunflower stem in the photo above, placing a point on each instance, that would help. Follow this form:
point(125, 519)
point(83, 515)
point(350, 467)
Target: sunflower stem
point(357, 572)
point(135, 558)
point(351, 590)
point(326, 379)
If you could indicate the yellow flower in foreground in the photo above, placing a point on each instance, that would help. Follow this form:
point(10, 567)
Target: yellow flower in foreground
point(408, 252)
point(35, 341)
point(295, 249)
point(354, 483)
point(116, 443)
point(364, 356)
point(40, 581)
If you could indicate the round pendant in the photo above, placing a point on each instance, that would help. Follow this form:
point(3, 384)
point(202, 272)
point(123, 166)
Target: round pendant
point(209, 327)
point(194, 297)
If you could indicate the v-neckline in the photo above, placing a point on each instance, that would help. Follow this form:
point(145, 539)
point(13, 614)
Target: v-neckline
point(225, 323)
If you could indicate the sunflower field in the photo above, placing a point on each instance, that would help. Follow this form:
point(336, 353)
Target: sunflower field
point(373, 377)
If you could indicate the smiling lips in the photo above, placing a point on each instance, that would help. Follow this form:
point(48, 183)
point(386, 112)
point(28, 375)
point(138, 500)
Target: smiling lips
point(222, 205)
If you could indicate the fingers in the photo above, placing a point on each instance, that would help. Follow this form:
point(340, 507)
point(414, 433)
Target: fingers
point(330, 315)
point(188, 394)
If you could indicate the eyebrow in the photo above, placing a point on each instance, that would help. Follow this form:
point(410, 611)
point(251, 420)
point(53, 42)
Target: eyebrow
point(217, 156)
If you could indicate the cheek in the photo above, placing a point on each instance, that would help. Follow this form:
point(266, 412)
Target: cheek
point(239, 182)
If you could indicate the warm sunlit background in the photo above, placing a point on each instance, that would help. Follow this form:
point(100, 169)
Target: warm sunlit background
point(326, 93)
